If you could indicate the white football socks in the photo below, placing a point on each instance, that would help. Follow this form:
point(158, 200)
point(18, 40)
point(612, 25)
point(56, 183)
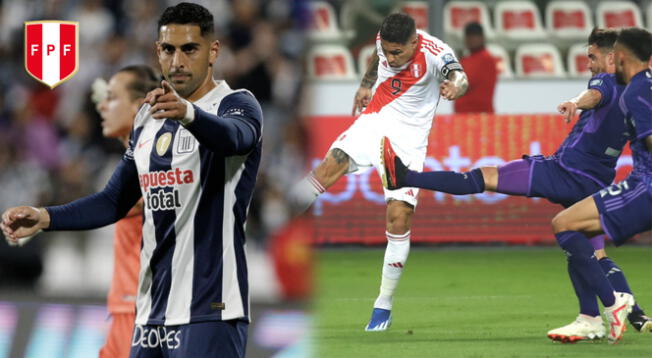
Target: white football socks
point(396, 254)
point(305, 193)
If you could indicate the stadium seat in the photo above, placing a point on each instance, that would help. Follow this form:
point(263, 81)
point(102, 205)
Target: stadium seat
point(364, 57)
point(578, 62)
point(618, 14)
point(330, 62)
point(568, 20)
point(419, 12)
point(323, 23)
point(538, 60)
point(502, 60)
point(458, 13)
point(518, 22)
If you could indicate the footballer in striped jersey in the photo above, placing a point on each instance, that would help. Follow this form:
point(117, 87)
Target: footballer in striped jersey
point(193, 157)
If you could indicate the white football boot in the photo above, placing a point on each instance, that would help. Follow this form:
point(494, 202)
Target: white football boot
point(583, 328)
point(617, 316)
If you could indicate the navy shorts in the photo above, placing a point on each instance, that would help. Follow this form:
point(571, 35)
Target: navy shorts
point(625, 209)
point(548, 179)
point(223, 339)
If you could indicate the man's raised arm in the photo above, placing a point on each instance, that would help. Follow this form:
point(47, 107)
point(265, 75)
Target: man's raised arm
point(455, 85)
point(587, 99)
point(363, 94)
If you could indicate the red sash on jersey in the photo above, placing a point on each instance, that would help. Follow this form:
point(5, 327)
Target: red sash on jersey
point(393, 87)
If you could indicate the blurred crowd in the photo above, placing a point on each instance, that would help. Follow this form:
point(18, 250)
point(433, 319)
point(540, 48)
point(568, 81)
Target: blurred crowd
point(51, 146)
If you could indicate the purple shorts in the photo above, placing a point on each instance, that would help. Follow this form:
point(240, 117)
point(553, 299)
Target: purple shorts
point(548, 179)
point(625, 209)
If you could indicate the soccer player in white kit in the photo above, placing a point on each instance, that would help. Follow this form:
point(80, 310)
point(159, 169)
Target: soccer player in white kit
point(409, 71)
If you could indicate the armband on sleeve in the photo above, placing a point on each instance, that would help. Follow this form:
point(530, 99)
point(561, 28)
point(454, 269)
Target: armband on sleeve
point(451, 66)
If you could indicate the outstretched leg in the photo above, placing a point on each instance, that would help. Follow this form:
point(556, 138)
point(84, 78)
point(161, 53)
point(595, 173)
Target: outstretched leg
point(512, 178)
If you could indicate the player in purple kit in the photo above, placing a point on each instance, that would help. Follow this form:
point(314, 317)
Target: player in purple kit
point(584, 163)
point(624, 209)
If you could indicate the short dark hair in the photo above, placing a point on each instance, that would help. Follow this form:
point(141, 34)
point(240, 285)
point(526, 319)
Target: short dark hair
point(638, 41)
point(603, 38)
point(145, 79)
point(473, 28)
point(186, 13)
point(397, 28)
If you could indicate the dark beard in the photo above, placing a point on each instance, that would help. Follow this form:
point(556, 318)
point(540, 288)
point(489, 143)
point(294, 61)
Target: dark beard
point(620, 78)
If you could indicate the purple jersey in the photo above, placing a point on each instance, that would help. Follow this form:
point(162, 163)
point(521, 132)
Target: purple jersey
point(636, 104)
point(594, 144)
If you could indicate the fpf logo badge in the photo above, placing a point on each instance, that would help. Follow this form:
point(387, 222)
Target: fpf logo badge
point(51, 51)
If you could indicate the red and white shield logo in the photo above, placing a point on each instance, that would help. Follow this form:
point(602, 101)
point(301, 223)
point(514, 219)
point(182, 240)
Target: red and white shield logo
point(415, 68)
point(51, 50)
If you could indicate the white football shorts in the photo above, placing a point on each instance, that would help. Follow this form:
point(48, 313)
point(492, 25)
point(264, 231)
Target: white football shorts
point(361, 142)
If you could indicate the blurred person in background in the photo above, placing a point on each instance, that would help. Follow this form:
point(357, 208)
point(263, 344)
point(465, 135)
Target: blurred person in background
point(125, 93)
point(480, 66)
point(252, 43)
point(360, 20)
point(20, 269)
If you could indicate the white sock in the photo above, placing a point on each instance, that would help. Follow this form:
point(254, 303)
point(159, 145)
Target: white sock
point(396, 254)
point(305, 193)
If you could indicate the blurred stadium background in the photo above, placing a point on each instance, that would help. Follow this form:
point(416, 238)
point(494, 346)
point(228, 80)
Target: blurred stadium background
point(540, 52)
point(52, 291)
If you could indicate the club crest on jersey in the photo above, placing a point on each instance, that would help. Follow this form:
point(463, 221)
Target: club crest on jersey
point(185, 143)
point(416, 70)
point(51, 51)
point(163, 143)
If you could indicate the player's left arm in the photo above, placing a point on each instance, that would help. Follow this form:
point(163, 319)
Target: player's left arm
point(599, 92)
point(455, 83)
point(587, 99)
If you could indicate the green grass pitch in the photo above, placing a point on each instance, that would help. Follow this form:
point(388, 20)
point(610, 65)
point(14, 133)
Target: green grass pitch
point(465, 302)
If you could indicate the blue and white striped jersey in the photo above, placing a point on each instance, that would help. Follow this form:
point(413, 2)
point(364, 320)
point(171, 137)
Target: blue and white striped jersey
point(197, 181)
point(193, 262)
